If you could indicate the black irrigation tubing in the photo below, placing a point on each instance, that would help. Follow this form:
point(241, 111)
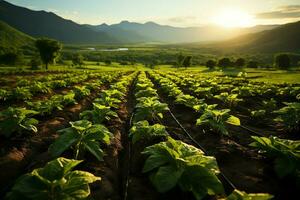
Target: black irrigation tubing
point(129, 151)
point(129, 163)
point(252, 131)
point(199, 146)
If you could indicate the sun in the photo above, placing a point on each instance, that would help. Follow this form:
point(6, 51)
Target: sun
point(234, 18)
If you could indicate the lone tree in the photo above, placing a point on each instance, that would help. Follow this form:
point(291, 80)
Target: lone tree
point(252, 64)
point(48, 49)
point(107, 62)
point(211, 64)
point(187, 62)
point(282, 61)
point(78, 59)
point(224, 62)
point(180, 59)
point(240, 62)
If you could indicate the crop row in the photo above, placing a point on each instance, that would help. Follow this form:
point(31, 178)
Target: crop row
point(214, 120)
point(172, 163)
point(237, 94)
point(89, 135)
point(33, 88)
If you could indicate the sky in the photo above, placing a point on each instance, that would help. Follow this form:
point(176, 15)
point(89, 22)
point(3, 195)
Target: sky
point(181, 13)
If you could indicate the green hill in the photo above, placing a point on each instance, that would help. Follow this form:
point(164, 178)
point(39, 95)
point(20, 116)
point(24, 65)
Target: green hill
point(47, 24)
point(11, 38)
point(281, 39)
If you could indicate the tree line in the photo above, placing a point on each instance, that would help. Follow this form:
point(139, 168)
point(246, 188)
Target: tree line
point(49, 50)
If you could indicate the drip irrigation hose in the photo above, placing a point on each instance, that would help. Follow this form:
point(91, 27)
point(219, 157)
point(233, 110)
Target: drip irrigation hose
point(125, 194)
point(252, 131)
point(129, 163)
point(202, 148)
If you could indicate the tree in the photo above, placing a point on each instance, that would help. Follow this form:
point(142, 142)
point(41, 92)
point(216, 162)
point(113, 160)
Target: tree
point(211, 64)
point(180, 59)
point(252, 64)
point(11, 58)
point(187, 61)
point(240, 62)
point(78, 59)
point(282, 61)
point(224, 62)
point(49, 49)
point(107, 62)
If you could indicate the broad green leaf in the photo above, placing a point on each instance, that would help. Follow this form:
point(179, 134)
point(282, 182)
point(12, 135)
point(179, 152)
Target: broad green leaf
point(94, 148)
point(233, 120)
point(57, 168)
point(63, 142)
point(154, 161)
point(166, 178)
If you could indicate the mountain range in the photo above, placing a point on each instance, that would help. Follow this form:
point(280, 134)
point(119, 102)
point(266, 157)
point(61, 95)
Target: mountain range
point(42, 23)
point(25, 24)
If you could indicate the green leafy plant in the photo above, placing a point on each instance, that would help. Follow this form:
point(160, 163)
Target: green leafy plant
point(285, 152)
point(149, 109)
point(99, 114)
point(38, 87)
point(142, 130)
point(270, 105)
point(229, 99)
point(201, 108)
point(289, 116)
point(216, 119)
point(58, 84)
point(244, 91)
point(240, 195)
point(68, 99)
point(93, 86)
point(258, 114)
point(55, 181)
point(148, 92)
point(81, 92)
point(113, 93)
point(141, 86)
point(108, 101)
point(204, 91)
point(4, 94)
point(82, 136)
point(45, 107)
point(21, 93)
point(16, 120)
point(23, 82)
point(187, 100)
point(174, 163)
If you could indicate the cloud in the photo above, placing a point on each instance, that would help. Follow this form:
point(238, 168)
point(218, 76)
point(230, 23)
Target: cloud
point(283, 12)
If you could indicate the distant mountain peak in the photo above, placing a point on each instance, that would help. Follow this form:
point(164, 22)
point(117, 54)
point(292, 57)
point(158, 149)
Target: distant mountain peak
point(125, 22)
point(151, 23)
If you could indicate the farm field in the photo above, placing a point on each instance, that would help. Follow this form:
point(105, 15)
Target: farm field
point(140, 133)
